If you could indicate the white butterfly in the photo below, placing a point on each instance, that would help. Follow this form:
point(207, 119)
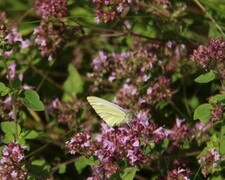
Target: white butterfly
point(111, 113)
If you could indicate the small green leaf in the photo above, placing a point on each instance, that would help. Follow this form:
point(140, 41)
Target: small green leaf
point(2, 86)
point(73, 84)
point(128, 173)
point(205, 78)
point(29, 134)
point(8, 138)
point(165, 143)
point(31, 100)
point(218, 98)
point(217, 177)
point(62, 169)
point(202, 112)
point(9, 127)
point(222, 141)
point(39, 168)
point(82, 162)
point(3, 89)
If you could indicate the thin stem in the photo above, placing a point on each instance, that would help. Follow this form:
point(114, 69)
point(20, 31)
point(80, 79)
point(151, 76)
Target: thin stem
point(13, 99)
point(197, 173)
point(13, 96)
point(37, 150)
point(185, 100)
point(54, 169)
point(209, 16)
point(176, 108)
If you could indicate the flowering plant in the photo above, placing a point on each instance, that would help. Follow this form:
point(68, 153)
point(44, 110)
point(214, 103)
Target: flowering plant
point(160, 61)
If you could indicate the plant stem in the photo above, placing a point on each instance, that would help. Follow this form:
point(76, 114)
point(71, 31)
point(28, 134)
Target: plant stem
point(13, 99)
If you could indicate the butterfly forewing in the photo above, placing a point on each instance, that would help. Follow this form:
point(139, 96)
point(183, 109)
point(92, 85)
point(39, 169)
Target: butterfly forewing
point(109, 112)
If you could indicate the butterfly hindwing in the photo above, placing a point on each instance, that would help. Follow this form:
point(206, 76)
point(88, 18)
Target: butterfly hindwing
point(109, 112)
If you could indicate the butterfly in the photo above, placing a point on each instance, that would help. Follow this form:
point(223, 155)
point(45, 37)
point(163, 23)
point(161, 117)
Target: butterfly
point(111, 113)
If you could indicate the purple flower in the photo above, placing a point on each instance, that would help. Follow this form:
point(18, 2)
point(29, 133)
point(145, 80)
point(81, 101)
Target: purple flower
point(11, 163)
point(217, 113)
point(12, 71)
point(178, 132)
point(115, 145)
point(49, 37)
point(179, 171)
point(160, 90)
point(14, 35)
point(209, 162)
point(65, 112)
point(81, 143)
point(55, 8)
point(107, 10)
point(211, 56)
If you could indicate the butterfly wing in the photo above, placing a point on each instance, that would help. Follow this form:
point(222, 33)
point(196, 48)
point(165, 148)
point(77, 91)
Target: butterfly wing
point(109, 112)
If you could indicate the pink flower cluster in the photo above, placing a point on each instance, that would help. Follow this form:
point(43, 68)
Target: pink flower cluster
point(11, 163)
point(178, 133)
point(132, 71)
point(65, 112)
point(209, 162)
point(211, 56)
point(115, 145)
point(51, 8)
point(159, 90)
point(125, 65)
point(49, 35)
point(12, 36)
point(179, 171)
point(107, 10)
point(49, 38)
point(82, 144)
point(217, 113)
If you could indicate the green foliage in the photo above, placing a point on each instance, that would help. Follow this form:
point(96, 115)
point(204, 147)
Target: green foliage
point(219, 98)
point(222, 140)
point(10, 129)
point(82, 162)
point(202, 112)
point(128, 173)
point(73, 84)
point(161, 36)
point(39, 168)
point(3, 89)
point(29, 134)
point(205, 78)
point(31, 100)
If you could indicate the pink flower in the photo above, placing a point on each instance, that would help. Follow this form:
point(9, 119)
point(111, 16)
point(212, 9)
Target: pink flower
point(12, 161)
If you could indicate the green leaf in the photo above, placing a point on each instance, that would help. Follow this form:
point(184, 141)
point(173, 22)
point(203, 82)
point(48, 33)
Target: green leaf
point(62, 169)
point(128, 173)
point(82, 162)
point(222, 141)
point(31, 100)
point(205, 78)
point(218, 98)
point(82, 14)
point(9, 127)
point(29, 134)
point(202, 112)
point(165, 143)
point(8, 138)
point(217, 177)
point(213, 31)
point(3, 89)
point(39, 168)
point(73, 83)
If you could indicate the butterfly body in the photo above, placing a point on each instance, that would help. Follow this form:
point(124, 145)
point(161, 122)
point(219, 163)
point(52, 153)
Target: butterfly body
point(111, 113)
